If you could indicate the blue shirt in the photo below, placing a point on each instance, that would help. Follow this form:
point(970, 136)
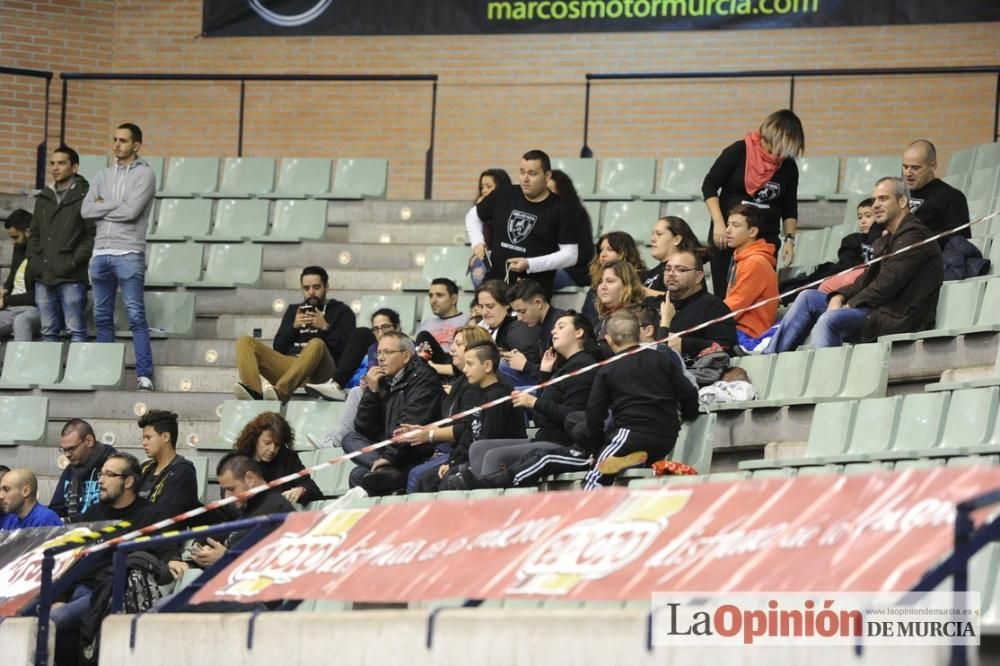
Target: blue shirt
point(39, 516)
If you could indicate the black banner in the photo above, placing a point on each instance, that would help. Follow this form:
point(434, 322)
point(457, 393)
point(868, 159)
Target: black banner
point(231, 18)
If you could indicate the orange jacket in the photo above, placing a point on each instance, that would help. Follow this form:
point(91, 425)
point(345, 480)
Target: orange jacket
point(753, 278)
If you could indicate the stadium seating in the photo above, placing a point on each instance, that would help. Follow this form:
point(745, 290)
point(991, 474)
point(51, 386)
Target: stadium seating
point(810, 247)
point(91, 164)
point(681, 179)
point(296, 221)
point(404, 304)
point(332, 480)
point(695, 214)
point(237, 220)
point(862, 173)
point(156, 164)
point(231, 265)
point(594, 211)
point(311, 420)
point(182, 219)
point(301, 177)
point(960, 166)
point(169, 315)
point(30, 364)
point(624, 179)
point(357, 178)
point(445, 261)
point(92, 365)
point(818, 177)
point(245, 177)
point(201, 471)
point(581, 170)
point(190, 176)
point(24, 419)
point(173, 264)
point(635, 218)
point(236, 414)
point(987, 156)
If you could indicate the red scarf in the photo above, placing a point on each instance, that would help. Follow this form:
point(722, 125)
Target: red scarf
point(760, 165)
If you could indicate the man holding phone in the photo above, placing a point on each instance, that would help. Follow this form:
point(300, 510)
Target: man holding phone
point(309, 341)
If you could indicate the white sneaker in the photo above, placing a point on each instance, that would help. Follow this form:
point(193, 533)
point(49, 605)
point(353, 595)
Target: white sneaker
point(329, 390)
point(270, 394)
point(144, 384)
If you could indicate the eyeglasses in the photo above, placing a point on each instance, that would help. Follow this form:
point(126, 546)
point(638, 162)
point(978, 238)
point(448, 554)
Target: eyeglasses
point(382, 353)
point(113, 475)
point(678, 269)
point(383, 328)
point(68, 450)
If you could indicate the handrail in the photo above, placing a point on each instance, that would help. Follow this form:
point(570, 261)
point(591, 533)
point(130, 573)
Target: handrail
point(42, 150)
point(791, 74)
point(244, 78)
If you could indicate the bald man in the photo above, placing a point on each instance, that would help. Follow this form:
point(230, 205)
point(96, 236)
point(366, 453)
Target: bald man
point(19, 498)
point(935, 203)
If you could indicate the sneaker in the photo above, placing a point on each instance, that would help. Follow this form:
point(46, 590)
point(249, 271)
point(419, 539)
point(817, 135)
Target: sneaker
point(244, 392)
point(271, 394)
point(144, 384)
point(614, 464)
point(329, 390)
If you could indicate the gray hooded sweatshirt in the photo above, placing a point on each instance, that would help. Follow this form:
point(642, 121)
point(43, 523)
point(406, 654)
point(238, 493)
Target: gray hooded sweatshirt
point(122, 215)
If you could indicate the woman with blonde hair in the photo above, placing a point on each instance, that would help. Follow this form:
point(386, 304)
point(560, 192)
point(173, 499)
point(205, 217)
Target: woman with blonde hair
point(612, 246)
point(619, 288)
point(758, 170)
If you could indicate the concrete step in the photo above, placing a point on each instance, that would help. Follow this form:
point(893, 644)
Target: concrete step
point(339, 256)
point(436, 233)
point(380, 281)
point(125, 433)
point(129, 404)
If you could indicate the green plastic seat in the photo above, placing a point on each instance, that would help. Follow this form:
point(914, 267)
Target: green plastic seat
point(970, 426)
point(868, 467)
point(956, 310)
point(982, 185)
point(358, 178)
point(960, 166)
point(24, 418)
point(404, 304)
point(90, 165)
point(916, 463)
point(987, 156)
point(829, 434)
point(581, 170)
point(301, 177)
point(635, 218)
point(695, 214)
point(231, 265)
point(681, 178)
point(182, 219)
point(773, 473)
point(594, 210)
point(235, 415)
point(826, 375)
point(695, 443)
point(239, 219)
point(450, 261)
point(513, 492)
point(296, 221)
point(818, 177)
point(312, 418)
point(920, 423)
point(244, 177)
point(172, 264)
point(810, 247)
point(30, 364)
point(791, 371)
point(623, 179)
point(201, 473)
point(759, 368)
point(92, 365)
point(191, 176)
point(169, 314)
point(156, 164)
point(862, 172)
point(333, 479)
point(868, 372)
point(988, 318)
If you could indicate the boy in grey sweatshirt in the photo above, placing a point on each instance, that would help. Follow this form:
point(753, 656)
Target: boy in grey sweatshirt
point(120, 201)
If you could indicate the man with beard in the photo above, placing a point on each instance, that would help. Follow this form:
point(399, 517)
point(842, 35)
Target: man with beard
point(689, 305)
point(310, 340)
point(78, 488)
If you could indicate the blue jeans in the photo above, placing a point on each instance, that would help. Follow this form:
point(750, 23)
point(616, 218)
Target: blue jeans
point(355, 441)
point(59, 305)
point(829, 329)
point(107, 274)
point(69, 615)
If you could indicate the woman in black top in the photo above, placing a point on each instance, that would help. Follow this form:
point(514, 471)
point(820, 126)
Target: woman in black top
point(507, 331)
point(561, 184)
point(759, 170)
point(670, 234)
point(268, 439)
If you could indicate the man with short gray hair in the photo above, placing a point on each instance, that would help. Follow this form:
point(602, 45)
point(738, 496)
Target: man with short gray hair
point(896, 295)
point(401, 389)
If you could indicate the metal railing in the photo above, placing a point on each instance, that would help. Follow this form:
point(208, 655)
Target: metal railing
point(244, 78)
point(791, 75)
point(42, 150)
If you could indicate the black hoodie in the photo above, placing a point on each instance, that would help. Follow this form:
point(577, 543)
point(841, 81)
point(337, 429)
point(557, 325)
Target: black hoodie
point(77, 489)
point(172, 491)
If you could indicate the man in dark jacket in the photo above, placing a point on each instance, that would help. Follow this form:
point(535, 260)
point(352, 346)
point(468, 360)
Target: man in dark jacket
point(309, 342)
point(59, 248)
point(78, 489)
point(18, 314)
point(897, 295)
point(169, 480)
point(407, 390)
point(689, 305)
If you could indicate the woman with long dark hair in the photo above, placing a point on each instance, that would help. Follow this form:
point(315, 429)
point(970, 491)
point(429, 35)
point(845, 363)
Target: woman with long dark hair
point(489, 180)
point(670, 234)
point(612, 246)
point(758, 170)
point(268, 439)
point(562, 186)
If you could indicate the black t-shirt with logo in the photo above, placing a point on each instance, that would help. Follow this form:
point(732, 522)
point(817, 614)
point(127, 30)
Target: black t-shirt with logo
point(940, 207)
point(777, 199)
point(524, 229)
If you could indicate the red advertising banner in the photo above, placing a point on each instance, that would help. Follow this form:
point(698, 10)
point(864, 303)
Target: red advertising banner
point(861, 533)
